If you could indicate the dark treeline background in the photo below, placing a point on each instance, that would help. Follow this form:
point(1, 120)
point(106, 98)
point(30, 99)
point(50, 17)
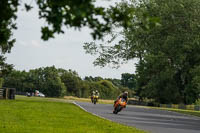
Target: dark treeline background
point(58, 82)
point(55, 82)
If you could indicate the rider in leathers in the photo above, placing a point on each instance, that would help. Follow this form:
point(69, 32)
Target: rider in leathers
point(124, 95)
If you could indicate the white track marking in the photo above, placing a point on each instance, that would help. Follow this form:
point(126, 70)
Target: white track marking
point(90, 112)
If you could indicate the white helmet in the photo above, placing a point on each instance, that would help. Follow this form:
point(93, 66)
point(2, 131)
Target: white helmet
point(126, 92)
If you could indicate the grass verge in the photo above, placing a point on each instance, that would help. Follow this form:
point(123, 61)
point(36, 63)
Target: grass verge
point(88, 100)
point(41, 115)
point(188, 112)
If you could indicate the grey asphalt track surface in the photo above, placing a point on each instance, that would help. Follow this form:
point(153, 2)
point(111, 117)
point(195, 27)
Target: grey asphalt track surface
point(150, 120)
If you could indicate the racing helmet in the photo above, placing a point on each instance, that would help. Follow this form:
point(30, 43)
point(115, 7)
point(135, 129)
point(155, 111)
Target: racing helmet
point(126, 93)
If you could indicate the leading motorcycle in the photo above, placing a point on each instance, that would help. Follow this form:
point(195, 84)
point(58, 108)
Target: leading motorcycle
point(119, 105)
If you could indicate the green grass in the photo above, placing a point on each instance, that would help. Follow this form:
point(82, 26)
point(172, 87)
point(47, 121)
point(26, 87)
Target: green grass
point(43, 115)
point(187, 112)
point(101, 101)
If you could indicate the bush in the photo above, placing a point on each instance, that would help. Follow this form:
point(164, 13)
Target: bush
point(197, 102)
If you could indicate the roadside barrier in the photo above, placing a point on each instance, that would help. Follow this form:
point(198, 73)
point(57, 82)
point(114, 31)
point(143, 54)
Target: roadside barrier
point(175, 106)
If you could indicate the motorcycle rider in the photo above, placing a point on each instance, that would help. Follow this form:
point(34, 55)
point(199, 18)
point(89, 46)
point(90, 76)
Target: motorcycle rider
point(97, 94)
point(92, 95)
point(123, 95)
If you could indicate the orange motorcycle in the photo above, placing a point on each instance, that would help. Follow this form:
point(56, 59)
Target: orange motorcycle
point(119, 105)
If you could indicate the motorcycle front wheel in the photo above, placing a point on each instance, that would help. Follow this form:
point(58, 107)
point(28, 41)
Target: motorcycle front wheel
point(117, 109)
point(95, 100)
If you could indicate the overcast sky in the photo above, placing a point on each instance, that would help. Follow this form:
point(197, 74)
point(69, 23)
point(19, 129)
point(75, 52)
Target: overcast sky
point(64, 51)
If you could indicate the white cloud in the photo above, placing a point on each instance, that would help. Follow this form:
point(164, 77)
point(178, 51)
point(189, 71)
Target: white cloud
point(22, 43)
point(35, 43)
point(30, 44)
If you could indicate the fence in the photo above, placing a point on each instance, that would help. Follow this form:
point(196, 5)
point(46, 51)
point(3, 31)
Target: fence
point(174, 106)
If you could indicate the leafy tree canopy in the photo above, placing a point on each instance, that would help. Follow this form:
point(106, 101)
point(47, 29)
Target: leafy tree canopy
point(128, 80)
point(167, 53)
point(59, 14)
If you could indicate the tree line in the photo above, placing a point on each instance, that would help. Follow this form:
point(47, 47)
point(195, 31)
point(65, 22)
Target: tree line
point(168, 68)
point(59, 82)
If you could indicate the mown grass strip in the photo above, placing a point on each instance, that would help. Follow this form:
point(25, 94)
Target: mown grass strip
point(102, 101)
point(40, 115)
point(188, 112)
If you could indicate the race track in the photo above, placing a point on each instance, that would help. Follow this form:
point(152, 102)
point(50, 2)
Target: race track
point(153, 120)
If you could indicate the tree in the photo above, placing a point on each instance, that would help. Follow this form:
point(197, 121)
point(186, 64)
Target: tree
point(52, 84)
point(115, 82)
point(17, 79)
point(72, 81)
point(78, 13)
point(108, 90)
point(93, 79)
point(5, 68)
point(69, 13)
point(167, 53)
point(128, 80)
point(46, 80)
point(8, 10)
point(59, 14)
